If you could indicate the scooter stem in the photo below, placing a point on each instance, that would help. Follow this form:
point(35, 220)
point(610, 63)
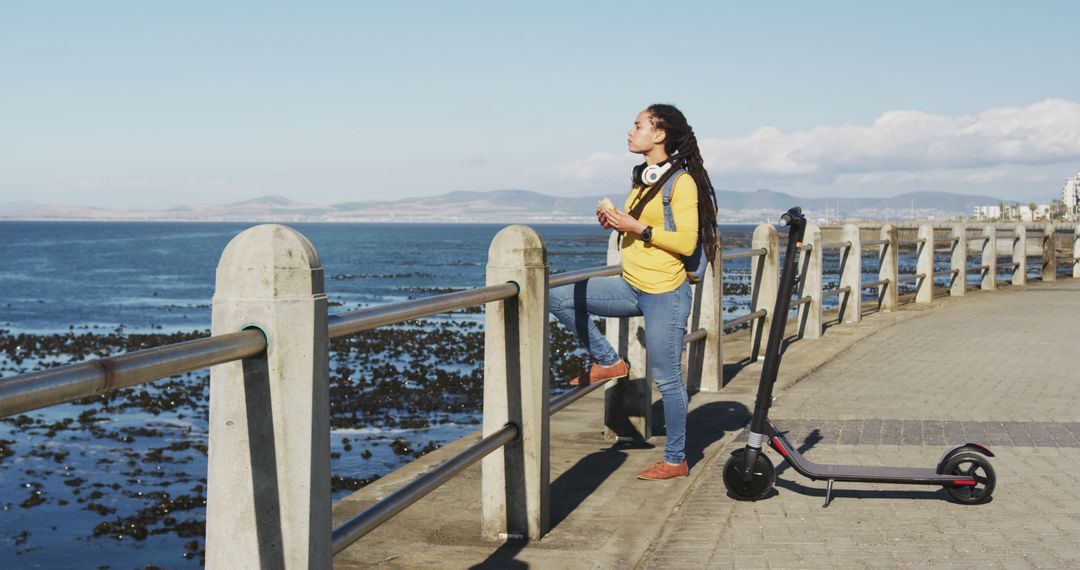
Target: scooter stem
point(797, 223)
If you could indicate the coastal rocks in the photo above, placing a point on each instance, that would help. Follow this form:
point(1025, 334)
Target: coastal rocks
point(134, 460)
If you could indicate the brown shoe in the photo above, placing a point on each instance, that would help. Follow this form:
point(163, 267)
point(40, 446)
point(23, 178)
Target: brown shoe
point(599, 373)
point(663, 470)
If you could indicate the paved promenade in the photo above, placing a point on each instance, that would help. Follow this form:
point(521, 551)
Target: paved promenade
point(999, 368)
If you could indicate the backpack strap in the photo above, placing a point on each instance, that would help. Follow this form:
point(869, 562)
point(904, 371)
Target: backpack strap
point(669, 188)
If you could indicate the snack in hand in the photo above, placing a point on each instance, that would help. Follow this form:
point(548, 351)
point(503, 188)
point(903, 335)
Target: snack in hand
point(606, 204)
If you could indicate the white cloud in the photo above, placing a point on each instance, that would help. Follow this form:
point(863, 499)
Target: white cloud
point(964, 176)
point(910, 147)
point(1042, 133)
point(596, 166)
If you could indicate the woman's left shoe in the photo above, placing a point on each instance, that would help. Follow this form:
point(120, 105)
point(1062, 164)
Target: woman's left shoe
point(599, 372)
point(664, 470)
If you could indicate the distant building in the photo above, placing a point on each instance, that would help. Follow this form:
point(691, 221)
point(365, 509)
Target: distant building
point(1069, 193)
point(987, 212)
point(1026, 214)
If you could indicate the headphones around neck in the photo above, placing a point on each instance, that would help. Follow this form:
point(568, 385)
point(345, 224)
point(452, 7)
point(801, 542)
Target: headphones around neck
point(646, 174)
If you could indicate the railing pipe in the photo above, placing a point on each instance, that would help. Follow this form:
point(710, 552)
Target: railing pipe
point(570, 396)
point(744, 253)
point(26, 392)
point(872, 284)
point(699, 334)
point(358, 526)
point(836, 292)
point(344, 324)
point(733, 323)
point(569, 277)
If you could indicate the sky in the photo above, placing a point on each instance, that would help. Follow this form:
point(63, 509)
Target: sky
point(138, 104)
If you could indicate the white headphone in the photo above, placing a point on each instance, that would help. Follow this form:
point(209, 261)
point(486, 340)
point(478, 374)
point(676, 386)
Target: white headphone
point(646, 174)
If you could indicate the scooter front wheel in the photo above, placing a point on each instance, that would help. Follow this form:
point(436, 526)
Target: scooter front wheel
point(761, 481)
point(968, 465)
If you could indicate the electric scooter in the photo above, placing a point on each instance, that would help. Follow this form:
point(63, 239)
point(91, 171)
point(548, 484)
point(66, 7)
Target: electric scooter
point(963, 471)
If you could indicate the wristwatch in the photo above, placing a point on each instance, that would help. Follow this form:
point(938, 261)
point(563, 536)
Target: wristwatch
point(646, 234)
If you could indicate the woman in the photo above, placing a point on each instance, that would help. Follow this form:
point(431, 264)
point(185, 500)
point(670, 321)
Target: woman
point(653, 283)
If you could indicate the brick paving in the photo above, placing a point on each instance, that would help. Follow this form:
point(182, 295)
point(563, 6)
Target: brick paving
point(997, 369)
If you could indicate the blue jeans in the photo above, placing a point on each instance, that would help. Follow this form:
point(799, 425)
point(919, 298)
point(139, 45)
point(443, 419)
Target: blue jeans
point(665, 326)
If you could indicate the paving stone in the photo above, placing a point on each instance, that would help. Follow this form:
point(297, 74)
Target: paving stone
point(909, 417)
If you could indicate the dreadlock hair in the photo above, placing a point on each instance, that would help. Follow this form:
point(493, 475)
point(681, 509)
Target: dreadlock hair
point(682, 149)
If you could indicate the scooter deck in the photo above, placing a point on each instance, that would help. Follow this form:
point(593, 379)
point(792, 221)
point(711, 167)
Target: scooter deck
point(863, 473)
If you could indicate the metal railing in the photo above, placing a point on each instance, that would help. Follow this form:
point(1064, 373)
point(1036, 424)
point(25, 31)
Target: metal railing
point(64, 384)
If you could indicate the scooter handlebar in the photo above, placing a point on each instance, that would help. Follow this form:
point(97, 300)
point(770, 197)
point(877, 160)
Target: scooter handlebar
point(791, 216)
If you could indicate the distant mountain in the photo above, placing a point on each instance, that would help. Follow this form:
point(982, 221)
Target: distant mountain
point(768, 200)
point(12, 206)
point(265, 202)
point(508, 206)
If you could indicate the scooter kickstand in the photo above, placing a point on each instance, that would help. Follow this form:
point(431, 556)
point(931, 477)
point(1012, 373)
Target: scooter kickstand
point(828, 493)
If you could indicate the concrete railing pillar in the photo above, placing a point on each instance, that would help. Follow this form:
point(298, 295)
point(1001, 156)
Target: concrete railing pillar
point(989, 258)
point(851, 275)
point(712, 320)
point(516, 478)
point(958, 260)
point(764, 282)
point(888, 260)
point(627, 403)
point(268, 497)
point(924, 264)
point(1076, 252)
point(1019, 255)
point(1049, 253)
point(810, 283)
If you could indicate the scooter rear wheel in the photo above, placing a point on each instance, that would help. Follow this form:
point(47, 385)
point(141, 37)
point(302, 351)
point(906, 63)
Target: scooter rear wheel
point(760, 483)
point(975, 466)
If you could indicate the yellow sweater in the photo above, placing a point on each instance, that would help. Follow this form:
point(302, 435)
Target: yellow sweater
point(655, 267)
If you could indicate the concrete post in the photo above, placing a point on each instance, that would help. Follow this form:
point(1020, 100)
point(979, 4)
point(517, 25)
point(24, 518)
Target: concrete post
point(515, 479)
point(851, 275)
point(888, 298)
point(1019, 255)
point(958, 260)
point(989, 258)
point(810, 284)
point(268, 497)
point(925, 264)
point(712, 320)
point(627, 403)
point(1076, 252)
point(1049, 253)
point(764, 282)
